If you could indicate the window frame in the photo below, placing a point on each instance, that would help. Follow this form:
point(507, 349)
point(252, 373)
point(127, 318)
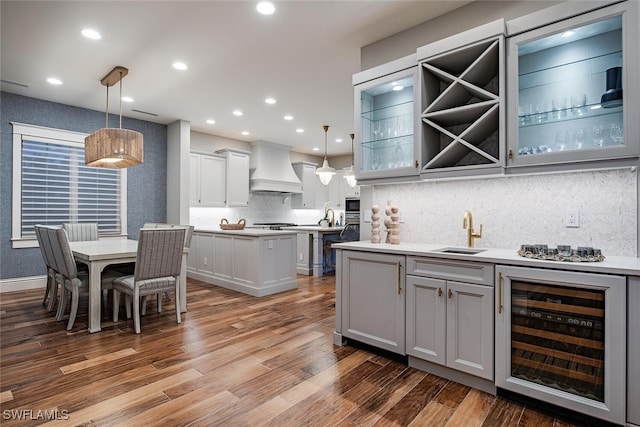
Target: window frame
point(22, 130)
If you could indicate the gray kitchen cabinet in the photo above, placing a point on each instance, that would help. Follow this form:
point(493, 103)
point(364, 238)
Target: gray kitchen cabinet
point(633, 351)
point(207, 180)
point(313, 192)
point(449, 322)
point(237, 177)
point(387, 142)
point(573, 89)
point(462, 103)
point(373, 299)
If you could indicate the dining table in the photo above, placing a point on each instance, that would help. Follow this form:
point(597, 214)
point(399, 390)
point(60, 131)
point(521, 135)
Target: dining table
point(98, 254)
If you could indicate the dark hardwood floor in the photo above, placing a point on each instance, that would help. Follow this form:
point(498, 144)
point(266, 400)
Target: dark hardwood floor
point(235, 360)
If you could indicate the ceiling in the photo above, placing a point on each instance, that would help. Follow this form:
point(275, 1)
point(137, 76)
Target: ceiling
point(303, 56)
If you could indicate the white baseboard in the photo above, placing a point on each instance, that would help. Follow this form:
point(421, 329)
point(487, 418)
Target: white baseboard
point(23, 283)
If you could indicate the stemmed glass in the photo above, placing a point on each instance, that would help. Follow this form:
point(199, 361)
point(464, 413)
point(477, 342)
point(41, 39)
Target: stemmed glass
point(562, 138)
point(598, 136)
point(617, 133)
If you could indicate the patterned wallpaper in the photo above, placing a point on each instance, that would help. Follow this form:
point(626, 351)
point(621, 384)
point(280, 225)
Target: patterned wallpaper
point(521, 209)
point(146, 183)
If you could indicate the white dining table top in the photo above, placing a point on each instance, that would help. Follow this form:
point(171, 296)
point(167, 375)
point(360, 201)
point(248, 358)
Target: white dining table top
point(95, 250)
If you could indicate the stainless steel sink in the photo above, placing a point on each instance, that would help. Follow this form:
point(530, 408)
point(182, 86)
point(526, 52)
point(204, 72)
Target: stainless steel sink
point(465, 251)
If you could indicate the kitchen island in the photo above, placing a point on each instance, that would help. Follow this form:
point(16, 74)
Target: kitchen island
point(312, 257)
point(253, 261)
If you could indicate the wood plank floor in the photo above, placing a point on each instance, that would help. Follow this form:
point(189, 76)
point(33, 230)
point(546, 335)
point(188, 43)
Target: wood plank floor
point(235, 360)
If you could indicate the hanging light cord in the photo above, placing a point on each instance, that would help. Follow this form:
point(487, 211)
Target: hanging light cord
point(326, 128)
point(120, 99)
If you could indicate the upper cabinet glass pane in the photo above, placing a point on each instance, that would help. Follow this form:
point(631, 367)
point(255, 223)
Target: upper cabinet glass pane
point(570, 89)
point(386, 118)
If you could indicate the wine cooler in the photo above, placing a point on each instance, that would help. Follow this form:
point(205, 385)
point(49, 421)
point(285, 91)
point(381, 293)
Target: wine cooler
point(560, 338)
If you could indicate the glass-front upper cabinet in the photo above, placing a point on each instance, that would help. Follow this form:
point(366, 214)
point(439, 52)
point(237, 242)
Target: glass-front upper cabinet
point(573, 90)
point(385, 118)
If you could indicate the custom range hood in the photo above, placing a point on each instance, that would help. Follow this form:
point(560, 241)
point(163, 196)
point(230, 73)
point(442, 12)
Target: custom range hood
point(271, 169)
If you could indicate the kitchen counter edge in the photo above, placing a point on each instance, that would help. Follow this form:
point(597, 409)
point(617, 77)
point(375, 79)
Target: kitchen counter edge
point(253, 232)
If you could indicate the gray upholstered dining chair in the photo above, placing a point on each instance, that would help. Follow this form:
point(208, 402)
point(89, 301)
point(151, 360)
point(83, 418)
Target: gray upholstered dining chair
point(68, 275)
point(187, 243)
point(51, 289)
point(158, 264)
point(81, 231)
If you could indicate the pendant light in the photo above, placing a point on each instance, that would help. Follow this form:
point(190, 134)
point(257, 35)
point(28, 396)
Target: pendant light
point(113, 147)
point(326, 172)
point(350, 175)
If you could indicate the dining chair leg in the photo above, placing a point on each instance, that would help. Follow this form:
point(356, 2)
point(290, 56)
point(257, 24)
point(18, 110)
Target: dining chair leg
point(159, 302)
point(74, 307)
point(178, 318)
point(136, 310)
point(127, 305)
point(143, 305)
point(63, 304)
point(116, 305)
point(52, 285)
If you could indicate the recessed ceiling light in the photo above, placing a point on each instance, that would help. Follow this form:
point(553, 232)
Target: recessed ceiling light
point(315, 149)
point(288, 117)
point(266, 8)
point(270, 101)
point(245, 133)
point(54, 81)
point(91, 34)
point(237, 113)
point(338, 139)
point(300, 130)
point(180, 66)
point(127, 99)
point(211, 121)
point(398, 87)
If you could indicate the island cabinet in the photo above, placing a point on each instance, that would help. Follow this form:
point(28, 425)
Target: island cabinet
point(256, 262)
point(573, 88)
point(372, 298)
point(449, 314)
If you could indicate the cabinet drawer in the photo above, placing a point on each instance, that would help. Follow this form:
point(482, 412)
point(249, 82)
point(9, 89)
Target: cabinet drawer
point(461, 271)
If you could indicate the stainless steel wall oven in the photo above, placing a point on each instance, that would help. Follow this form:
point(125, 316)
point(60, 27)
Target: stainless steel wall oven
point(560, 338)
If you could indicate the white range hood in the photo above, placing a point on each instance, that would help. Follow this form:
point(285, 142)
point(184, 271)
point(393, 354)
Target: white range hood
point(271, 169)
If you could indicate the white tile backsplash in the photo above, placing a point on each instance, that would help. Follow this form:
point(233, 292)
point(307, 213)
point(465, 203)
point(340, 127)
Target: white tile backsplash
point(521, 209)
point(263, 207)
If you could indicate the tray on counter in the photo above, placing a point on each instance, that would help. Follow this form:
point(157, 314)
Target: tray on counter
point(561, 253)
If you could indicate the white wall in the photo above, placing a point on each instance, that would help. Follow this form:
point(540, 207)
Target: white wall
point(517, 210)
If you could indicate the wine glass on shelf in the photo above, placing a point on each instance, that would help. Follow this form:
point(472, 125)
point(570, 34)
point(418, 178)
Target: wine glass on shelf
point(562, 138)
point(616, 133)
point(578, 139)
point(598, 136)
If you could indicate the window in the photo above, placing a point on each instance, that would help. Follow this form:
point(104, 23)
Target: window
point(52, 185)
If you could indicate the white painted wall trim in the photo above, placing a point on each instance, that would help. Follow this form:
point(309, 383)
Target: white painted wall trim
point(22, 283)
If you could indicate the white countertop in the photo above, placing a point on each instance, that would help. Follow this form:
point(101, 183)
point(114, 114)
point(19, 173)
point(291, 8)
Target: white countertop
point(612, 265)
point(253, 232)
point(315, 228)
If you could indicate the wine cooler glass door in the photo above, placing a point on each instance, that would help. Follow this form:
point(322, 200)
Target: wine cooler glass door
point(562, 339)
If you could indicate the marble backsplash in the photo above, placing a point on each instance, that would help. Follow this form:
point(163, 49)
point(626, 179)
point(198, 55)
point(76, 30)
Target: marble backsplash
point(521, 209)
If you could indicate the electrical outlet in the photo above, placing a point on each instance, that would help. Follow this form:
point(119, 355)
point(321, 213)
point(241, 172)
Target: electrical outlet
point(301, 256)
point(571, 218)
point(204, 261)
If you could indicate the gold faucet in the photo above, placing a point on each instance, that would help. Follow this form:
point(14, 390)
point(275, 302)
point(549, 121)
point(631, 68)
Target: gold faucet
point(467, 224)
point(331, 221)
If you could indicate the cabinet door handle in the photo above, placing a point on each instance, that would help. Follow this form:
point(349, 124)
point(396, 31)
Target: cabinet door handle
point(450, 293)
point(399, 265)
point(500, 292)
point(439, 292)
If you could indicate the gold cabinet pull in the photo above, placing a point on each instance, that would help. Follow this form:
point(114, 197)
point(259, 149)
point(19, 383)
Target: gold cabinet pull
point(399, 265)
point(500, 292)
point(439, 292)
point(450, 293)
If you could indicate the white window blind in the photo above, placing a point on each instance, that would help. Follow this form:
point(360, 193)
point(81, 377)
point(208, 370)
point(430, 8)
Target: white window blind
point(56, 186)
